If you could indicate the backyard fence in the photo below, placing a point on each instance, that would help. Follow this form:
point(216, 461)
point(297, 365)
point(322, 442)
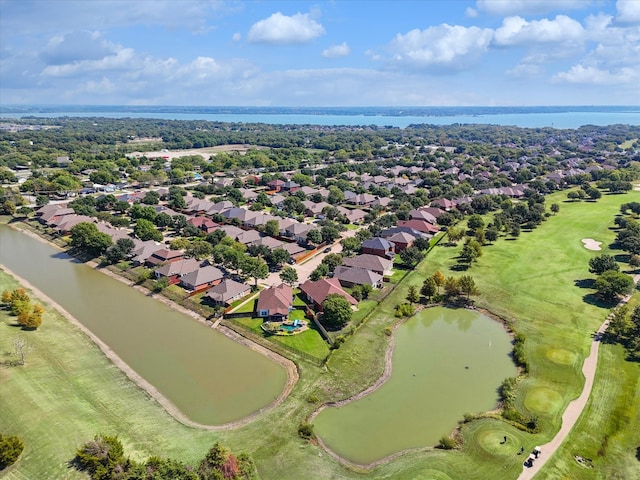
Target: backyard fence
point(279, 348)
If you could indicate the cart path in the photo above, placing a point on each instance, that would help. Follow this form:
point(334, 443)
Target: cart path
point(575, 407)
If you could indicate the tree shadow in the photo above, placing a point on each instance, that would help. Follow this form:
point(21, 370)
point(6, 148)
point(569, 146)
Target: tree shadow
point(638, 454)
point(593, 299)
point(459, 267)
point(622, 257)
point(584, 283)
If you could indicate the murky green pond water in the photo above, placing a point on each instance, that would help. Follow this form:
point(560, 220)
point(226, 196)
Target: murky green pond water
point(210, 378)
point(445, 363)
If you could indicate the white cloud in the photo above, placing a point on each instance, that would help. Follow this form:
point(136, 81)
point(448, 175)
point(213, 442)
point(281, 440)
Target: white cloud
point(471, 12)
point(76, 47)
point(579, 74)
point(518, 31)
point(441, 47)
point(524, 7)
point(121, 60)
point(335, 51)
point(628, 11)
point(236, 37)
point(281, 29)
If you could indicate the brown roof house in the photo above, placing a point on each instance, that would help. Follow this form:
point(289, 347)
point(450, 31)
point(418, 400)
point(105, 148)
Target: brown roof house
point(227, 292)
point(275, 302)
point(379, 246)
point(164, 255)
point(351, 276)
point(370, 262)
point(202, 278)
point(402, 240)
point(317, 291)
point(174, 270)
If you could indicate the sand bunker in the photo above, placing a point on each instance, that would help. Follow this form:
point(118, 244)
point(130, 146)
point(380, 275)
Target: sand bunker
point(591, 244)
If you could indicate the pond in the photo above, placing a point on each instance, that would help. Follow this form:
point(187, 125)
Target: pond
point(445, 363)
point(209, 377)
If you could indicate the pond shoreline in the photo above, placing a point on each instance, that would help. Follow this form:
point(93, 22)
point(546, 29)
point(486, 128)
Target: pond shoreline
point(289, 366)
point(383, 379)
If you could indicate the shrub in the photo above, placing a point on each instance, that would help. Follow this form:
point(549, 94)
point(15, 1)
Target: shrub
point(388, 331)
point(10, 449)
point(447, 443)
point(404, 310)
point(305, 430)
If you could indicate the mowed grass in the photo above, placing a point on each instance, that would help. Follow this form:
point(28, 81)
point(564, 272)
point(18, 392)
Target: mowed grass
point(68, 392)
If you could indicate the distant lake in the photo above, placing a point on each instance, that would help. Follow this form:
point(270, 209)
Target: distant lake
point(401, 117)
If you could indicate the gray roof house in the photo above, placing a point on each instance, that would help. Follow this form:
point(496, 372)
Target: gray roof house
point(350, 276)
point(227, 292)
point(370, 262)
point(202, 278)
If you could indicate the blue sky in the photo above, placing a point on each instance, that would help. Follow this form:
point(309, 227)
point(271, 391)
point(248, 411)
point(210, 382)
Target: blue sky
point(322, 53)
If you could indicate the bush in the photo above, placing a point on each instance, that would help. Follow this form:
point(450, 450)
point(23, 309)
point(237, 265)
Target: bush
point(447, 443)
point(404, 310)
point(10, 449)
point(388, 331)
point(305, 430)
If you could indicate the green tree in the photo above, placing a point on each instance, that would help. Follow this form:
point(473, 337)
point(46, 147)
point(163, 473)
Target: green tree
point(413, 295)
point(602, 263)
point(314, 236)
point(555, 208)
point(475, 222)
point(86, 236)
point(467, 286)
point(100, 457)
point(272, 228)
point(336, 312)
point(429, 288)
point(320, 271)
point(451, 287)
point(350, 245)
point(289, 275)
point(255, 268)
point(411, 256)
point(278, 257)
point(611, 284)
point(10, 449)
point(332, 260)
point(146, 230)
point(491, 234)
point(199, 249)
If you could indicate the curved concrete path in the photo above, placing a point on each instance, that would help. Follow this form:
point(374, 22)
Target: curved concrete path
point(575, 408)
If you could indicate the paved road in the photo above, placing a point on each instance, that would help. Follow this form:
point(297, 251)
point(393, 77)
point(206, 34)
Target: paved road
point(576, 407)
point(305, 269)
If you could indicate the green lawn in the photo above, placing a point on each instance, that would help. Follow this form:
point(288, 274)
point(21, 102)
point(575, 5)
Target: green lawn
point(309, 341)
point(529, 281)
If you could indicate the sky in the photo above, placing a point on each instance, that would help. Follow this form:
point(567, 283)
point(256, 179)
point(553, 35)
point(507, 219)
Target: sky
point(320, 53)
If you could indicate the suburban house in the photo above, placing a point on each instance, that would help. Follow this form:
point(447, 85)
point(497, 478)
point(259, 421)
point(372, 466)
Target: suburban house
point(299, 231)
point(389, 232)
point(356, 215)
point(203, 223)
point(443, 203)
point(402, 240)
point(317, 291)
point(419, 225)
point(374, 263)
point(422, 215)
point(379, 246)
point(50, 215)
point(164, 255)
point(202, 278)
point(63, 225)
point(351, 276)
point(227, 292)
point(290, 186)
point(174, 270)
point(143, 250)
point(275, 185)
point(275, 302)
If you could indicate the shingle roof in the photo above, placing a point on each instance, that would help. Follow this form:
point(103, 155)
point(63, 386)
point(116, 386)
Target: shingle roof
point(356, 275)
point(320, 289)
point(277, 300)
